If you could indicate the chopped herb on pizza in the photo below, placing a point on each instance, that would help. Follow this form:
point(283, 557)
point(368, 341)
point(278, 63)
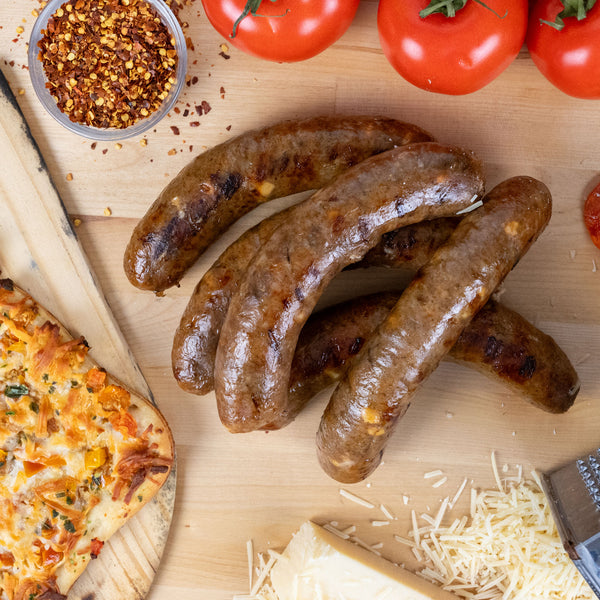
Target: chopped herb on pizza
point(79, 453)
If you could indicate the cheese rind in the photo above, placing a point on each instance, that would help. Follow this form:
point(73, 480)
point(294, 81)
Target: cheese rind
point(319, 564)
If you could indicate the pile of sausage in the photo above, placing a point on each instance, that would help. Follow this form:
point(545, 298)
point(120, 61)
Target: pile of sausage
point(387, 195)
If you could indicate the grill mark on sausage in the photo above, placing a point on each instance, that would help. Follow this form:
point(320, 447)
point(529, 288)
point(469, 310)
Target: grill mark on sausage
point(159, 243)
point(226, 185)
point(493, 347)
point(528, 367)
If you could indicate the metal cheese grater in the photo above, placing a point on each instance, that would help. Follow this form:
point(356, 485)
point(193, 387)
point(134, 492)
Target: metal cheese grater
point(573, 492)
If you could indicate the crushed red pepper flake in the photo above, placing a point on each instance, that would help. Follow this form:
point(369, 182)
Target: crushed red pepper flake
point(109, 63)
point(175, 129)
point(203, 108)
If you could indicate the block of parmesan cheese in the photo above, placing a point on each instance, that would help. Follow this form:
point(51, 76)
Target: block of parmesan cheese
point(320, 564)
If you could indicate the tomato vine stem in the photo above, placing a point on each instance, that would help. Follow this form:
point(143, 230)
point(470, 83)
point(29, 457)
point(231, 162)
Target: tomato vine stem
point(250, 9)
point(448, 8)
point(572, 8)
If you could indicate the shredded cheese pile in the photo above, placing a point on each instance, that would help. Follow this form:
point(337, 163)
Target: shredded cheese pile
point(508, 549)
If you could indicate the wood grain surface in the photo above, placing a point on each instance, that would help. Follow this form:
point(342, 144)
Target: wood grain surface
point(263, 486)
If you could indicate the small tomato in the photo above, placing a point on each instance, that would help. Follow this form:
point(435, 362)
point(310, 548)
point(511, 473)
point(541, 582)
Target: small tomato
point(563, 39)
point(451, 46)
point(281, 30)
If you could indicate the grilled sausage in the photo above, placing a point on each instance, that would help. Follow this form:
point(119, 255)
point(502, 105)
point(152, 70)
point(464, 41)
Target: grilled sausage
point(424, 324)
point(227, 181)
point(498, 342)
point(196, 338)
point(333, 228)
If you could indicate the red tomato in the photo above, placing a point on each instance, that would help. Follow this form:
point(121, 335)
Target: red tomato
point(591, 215)
point(293, 30)
point(452, 55)
point(569, 58)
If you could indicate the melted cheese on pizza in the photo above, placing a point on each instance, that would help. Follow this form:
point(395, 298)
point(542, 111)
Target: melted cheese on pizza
point(72, 454)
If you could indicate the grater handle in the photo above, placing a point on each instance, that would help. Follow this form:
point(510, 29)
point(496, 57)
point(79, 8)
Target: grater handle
point(588, 563)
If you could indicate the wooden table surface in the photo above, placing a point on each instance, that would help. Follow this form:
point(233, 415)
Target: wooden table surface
point(263, 486)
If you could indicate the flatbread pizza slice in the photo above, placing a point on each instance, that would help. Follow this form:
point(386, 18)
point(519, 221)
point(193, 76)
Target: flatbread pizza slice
point(79, 453)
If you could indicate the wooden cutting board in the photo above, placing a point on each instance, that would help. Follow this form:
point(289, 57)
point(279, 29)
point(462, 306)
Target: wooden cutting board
point(39, 250)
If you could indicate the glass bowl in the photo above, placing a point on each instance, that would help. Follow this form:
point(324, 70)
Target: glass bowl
point(38, 77)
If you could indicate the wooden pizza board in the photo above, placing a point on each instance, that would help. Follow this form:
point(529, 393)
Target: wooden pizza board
point(39, 250)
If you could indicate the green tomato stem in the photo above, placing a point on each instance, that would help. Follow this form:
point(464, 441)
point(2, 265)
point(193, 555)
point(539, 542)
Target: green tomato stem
point(572, 8)
point(250, 9)
point(448, 8)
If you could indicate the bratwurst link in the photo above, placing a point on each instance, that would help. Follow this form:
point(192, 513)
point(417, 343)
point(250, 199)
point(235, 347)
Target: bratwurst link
point(195, 341)
point(498, 342)
point(425, 323)
point(336, 226)
point(229, 180)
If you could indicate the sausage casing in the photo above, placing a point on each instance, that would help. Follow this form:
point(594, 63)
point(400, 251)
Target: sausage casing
point(227, 181)
point(424, 324)
point(336, 226)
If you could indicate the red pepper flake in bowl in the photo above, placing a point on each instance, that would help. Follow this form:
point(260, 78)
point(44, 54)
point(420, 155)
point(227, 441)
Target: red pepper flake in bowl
point(108, 63)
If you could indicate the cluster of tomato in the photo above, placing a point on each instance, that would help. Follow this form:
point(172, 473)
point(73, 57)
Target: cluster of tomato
point(445, 46)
